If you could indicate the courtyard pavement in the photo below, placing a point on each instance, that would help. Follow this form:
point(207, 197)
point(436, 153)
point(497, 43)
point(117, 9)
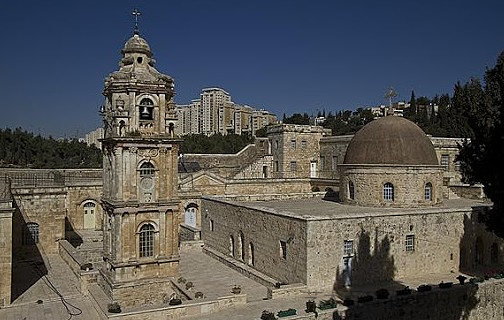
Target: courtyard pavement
point(56, 290)
point(215, 279)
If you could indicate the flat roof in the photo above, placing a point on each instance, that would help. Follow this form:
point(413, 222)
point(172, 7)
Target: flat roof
point(319, 209)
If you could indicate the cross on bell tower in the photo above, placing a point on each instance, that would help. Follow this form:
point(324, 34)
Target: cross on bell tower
point(137, 14)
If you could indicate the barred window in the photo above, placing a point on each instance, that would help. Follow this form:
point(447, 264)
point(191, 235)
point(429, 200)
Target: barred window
point(428, 191)
point(283, 249)
point(293, 166)
point(388, 192)
point(445, 161)
point(303, 144)
point(147, 170)
point(31, 233)
point(348, 247)
point(351, 190)
point(147, 240)
point(293, 144)
point(410, 243)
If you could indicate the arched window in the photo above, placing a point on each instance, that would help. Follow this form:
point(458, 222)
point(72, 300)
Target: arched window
point(388, 192)
point(147, 169)
point(494, 253)
point(242, 246)
point(31, 233)
point(190, 215)
point(428, 191)
point(251, 254)
point(147, 240)
point(231, 246)
point(351, 190)
point(146, 109)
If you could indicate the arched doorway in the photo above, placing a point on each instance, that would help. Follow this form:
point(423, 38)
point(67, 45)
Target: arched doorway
point(89, 215)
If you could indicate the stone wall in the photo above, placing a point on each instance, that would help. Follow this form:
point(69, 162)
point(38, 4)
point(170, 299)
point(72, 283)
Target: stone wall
point(295, 148)
point(379, 244)
point(6, 211)
point(45, 206)
point(264, 231)
point(77, 196)
point(332, 154)
point(228, 165)
point(408, 185)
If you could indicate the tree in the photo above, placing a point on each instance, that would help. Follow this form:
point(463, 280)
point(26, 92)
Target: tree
point(481, 157)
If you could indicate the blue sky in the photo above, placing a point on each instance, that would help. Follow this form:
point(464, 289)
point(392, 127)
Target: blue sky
point(285, 55)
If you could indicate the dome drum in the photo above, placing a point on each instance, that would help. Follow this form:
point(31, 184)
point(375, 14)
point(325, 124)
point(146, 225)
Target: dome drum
point(408, 183)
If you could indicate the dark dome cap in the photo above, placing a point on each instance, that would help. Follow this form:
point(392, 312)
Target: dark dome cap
point(137, 44)
point(391, 140)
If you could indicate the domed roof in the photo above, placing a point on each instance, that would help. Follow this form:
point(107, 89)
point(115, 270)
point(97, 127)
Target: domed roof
point(391, 140)
point(137, 44)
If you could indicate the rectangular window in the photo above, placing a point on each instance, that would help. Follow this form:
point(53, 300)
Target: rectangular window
point(457, 166)
point(322, 163)
point(283, 249)
point(31, 234)
point(275, 166)
point(293, 144)
point(410, 243)
point(293, 166)
point(348, 247)
point(334, 162)
point(445, 161)
point(303, 144)
point(211, 225)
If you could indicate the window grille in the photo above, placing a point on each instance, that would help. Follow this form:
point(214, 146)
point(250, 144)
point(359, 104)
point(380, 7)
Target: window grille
point(147, 240)
point(410, 243)
point(388, 192)
point(31, 233)
point(348, 248)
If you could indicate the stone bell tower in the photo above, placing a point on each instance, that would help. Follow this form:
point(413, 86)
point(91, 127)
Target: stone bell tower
point(140, 153)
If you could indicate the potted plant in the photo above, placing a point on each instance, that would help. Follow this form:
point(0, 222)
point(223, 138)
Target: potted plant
point(311, 306)
point(266, 315)
point(114, 307)
point(175, 301)
point(236, 290)
point(461, 279)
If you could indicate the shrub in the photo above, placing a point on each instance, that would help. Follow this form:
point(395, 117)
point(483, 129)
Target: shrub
point(327, 304)
point(424, 288)
point(348, 302)
point(266, 315)
point(382, 294)
point(87, 266)
point(175, 302)
point(198, 295)
point(189, 285)
point(404, 292)
point(461, 279)
point(365, 299)
point(181, 280)
point(315, 189)
point(445, 285)
point(286, 313)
